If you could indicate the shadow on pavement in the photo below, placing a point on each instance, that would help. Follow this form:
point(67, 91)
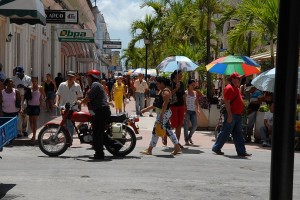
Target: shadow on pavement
point(4, 188)
point(185, 150)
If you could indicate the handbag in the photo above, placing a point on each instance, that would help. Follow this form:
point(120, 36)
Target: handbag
point(159, 131)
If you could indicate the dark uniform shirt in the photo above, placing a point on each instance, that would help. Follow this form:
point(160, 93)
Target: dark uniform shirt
point(97, 96)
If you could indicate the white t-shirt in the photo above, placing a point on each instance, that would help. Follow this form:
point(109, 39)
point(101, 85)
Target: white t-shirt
point(269, 117)
point(26, 81)
point(68, 95)
point(140, 87)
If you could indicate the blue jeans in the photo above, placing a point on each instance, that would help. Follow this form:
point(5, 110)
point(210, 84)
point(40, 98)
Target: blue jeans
point(190, 116)
point(236, 129)
point(70, 127)
point(139, 102)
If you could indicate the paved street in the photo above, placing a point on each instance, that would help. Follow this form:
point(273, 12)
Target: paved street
point(27, 174)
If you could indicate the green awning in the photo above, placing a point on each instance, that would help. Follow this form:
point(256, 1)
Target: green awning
point(23, 11)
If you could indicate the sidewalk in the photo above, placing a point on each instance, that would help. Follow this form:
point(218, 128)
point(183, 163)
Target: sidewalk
point(202, 139)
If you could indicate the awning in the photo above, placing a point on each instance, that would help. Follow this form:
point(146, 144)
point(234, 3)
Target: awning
point(23, 11)
point(76, 49)
point(263, 56)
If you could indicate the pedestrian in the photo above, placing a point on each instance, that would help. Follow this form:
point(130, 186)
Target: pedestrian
point(267, 129)
point(191, 110)
point(140, 86)
point(233, 122)
point(2, 75)
point(10, 99)
point(50, 90)
point(110, 83)
point(33, 106)
point(119, 94)
point(177, 107)
point(68, 92)
point(59, 79)
point(152, 93)
point(96, 100)
point(163, 114)
point(256, 97)
point(22, 83)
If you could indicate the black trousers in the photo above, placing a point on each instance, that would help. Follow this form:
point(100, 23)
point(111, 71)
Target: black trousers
point(99, 124)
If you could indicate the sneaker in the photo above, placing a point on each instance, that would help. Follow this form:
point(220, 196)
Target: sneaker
point(266, 144)
point(245, 154)
point(218, 152)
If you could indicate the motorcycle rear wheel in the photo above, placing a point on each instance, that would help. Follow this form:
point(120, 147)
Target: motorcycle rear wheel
point(128, 141)
point(50, 145)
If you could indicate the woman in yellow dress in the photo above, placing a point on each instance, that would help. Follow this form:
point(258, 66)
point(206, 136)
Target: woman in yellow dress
point(119, 94)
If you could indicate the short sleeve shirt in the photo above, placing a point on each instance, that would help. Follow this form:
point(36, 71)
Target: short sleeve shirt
point(26, 81)
point(233, 94)
point(97, 96)
point(68, 95)
point(140, 87)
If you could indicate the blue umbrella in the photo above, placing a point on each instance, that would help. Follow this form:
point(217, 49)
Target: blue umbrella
point(172, 63)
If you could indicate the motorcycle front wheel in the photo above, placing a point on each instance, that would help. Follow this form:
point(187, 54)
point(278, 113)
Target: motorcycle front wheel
point(128, 142)
point(50, 144)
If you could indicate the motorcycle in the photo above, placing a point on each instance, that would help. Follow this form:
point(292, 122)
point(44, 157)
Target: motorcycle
point(119, 138)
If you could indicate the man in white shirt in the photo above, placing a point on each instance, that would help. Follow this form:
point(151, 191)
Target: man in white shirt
point(267, 129)
point(22, 81)
point(140, 86)
point(68, 92)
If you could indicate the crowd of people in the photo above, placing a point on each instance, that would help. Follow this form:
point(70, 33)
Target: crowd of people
point(176, 104)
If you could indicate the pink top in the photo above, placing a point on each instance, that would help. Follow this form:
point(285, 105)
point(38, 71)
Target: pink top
point(35, 101)
point(9, 102)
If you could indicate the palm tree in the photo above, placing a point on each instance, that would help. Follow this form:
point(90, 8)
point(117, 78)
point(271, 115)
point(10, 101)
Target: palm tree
point(258, 17)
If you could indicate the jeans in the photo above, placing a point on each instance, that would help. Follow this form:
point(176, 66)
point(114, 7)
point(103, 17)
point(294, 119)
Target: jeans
point(70, 127)
point(139, 102)
point(251, 122)
point(236, 129)
point(264, 135)
point(166, 126)
point(190, 116)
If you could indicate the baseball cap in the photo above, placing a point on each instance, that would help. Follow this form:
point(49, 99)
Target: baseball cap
point(71, 73)
point(235, 75)
point(19, 69)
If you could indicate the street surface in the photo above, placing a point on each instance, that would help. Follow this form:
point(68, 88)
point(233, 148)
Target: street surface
point(28, 174)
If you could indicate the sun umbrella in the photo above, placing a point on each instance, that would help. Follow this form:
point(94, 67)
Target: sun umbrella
point(151, 72)
point(139, 71)
point(172, 63)
point(266, 81)
point(229, 64)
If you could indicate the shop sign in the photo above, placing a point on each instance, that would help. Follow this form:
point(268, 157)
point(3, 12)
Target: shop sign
point(75, 35)
point(62, 16)
point(112, 45)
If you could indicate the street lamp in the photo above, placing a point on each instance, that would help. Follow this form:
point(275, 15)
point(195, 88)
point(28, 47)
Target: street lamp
point(147, 42)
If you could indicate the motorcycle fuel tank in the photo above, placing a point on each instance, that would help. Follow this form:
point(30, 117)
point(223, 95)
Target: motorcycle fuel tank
point(81, 116)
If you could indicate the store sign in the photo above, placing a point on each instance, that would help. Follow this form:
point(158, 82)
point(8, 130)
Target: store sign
point(75, 35)
point(62, 16)
point(112, 45)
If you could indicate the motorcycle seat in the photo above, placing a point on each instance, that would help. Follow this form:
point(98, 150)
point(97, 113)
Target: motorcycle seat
point(118, 118)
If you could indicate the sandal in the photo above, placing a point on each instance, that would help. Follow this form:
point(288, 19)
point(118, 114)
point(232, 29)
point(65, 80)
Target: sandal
point(146, 152)
point(175, 152)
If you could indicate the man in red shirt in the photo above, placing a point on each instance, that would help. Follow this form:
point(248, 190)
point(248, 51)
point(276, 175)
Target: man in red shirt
point(233, 118)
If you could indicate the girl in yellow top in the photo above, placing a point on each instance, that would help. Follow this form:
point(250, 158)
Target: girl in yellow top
point(119, 93)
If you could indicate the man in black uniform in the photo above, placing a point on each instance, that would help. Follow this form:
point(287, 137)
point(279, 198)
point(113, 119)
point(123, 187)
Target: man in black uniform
point(98, 106)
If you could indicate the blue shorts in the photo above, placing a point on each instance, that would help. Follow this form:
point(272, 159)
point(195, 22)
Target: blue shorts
point(50, 95)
